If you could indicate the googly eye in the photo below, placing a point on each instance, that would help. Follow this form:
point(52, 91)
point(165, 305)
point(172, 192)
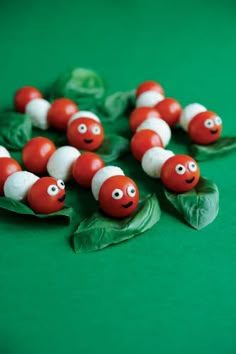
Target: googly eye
point(60, 184)
point(96, 130)
point(82, 128)
point(52, 190)
point(180, 169)
point(218, 120)
point(117, 194)
point(209, 123)
point(192, 166)
point(131, 191)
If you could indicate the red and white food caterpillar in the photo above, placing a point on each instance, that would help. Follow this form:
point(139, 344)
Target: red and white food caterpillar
point(202, 126)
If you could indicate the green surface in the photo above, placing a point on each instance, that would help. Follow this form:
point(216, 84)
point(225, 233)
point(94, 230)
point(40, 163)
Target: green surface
point(171, 290)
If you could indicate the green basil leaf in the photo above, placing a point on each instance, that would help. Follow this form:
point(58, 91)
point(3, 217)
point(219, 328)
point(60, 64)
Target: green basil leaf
point(117, 104)
point(98, 231)
point(113, 147)
point(20, 208)
point(15, 130)
point(85, 87)
point(205, 152)
point(199, 206)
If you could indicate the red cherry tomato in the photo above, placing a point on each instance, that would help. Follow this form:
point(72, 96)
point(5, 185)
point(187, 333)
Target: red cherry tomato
point(205, 128)
point(180, 173)
point(139, 115)
point(169, 110)
point(7, 167)
point(85, 134)
point(143, 141)
point(148, 86)
point(60, 112)
point(23, 96)
point(36, 153)
point(118, 196)
point(47, 195)
point(85, 167)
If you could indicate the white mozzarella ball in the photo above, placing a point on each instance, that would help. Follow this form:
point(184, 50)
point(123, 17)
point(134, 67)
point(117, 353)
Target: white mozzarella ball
point(83, 114)
point(60, 163)
point(18, 184)
point(153, 160)
point(102, 175)
point(4, 152)
point(148, 99)
point(37, 110)
point(189, 112)
point(159, 126)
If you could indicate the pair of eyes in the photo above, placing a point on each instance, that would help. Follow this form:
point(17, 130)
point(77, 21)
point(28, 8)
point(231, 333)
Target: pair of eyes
point(53, 189)
point(82, 128)
point(118, 193)
point(209, 123)
point(181, 169)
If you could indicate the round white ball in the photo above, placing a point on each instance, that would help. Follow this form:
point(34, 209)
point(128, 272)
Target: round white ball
point(102, 175)
point(37, 110)
point(17, 185)
point(153, 159)
point(4, 152)
point(60, 163)
point(189, 112)
point(148, 99)
point(83, 114)
point(159, 126)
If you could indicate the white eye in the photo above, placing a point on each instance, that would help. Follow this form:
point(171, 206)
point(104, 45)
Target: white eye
point(82, 128)
point(209, 123)
point(180, 169)
point(218, 120)
point(192, 166)
point(52, 189)
point(96, 130)
point(60, 184)
point(131, 191)
point(117, 194)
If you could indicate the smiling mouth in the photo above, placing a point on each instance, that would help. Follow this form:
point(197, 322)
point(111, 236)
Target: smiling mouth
point(88, 141)
point(214, 131)
point(61, 199)
point(190, 180)
point(127, 205)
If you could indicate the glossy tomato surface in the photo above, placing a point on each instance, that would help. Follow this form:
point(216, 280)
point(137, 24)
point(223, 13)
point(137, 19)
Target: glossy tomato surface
point(148, 86)
point(23, 96)
point(179, 173)
point(60, 112)
point(205, 128)
point(85, 167)
point(46, 196)
point(140, 114)
point(36, 153)
point(169, 110)
point(118, 196)
point(7, 167)
point(143, 141)
point(85, 134)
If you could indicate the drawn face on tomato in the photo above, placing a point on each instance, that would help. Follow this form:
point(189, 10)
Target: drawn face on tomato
point(180, 173)
point(205, 128)
point(85, 134)
point(47, 195)
point(118, 196)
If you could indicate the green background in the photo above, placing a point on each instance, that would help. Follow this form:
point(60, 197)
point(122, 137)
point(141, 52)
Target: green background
point(171, 290)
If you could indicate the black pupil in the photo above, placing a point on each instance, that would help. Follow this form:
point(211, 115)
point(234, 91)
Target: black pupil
point(180, 168)
point(117, 194)
point(132, 191)
point(53, 189)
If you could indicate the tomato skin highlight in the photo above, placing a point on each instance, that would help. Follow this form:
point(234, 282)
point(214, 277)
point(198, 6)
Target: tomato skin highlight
point(36, 153)
point(198, 130)
point(169, 110)
point(148, 86)
point(7, 167)
point(142, 141)
point(187, 177)
point(87, 139)
point(39, 199)
point(85, 167)
point(125, 205)
point(60, 112)
point(139, 115)
point(23, 96)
